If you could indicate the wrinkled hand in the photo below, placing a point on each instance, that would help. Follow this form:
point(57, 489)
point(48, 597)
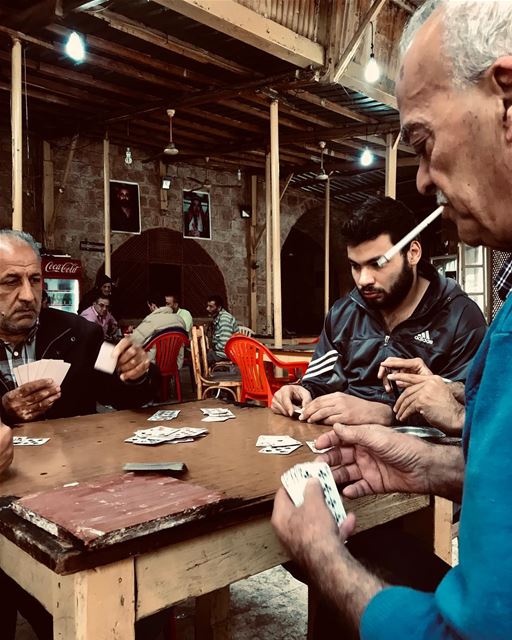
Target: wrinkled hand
point(309, 530)
point(288, 397)
point(30, 400)
point(6, 448)
point(376, 459)
point(406, 365)
point(132, 360)
point(431, 397)
point(341, 407)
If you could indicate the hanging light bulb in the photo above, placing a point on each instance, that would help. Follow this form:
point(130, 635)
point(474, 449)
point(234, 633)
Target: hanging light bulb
point(75, 47)
point(239, 174)
point(366, 158)
point(372, 71)
point(128, 156)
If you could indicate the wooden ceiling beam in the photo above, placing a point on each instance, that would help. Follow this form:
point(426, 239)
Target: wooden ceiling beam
point(224, 121)
point(46, 97)
point(329, 105)
point(288, 109)
point(170, 43)
point(112, 48)
point(250, 27)
point(33, 18)
point(353, 78)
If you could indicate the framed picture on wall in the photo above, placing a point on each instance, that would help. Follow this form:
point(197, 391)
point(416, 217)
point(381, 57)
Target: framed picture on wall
point(196, 215)
point(124, 207)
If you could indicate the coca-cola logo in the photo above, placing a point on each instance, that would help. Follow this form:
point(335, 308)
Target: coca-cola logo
point(61, 267)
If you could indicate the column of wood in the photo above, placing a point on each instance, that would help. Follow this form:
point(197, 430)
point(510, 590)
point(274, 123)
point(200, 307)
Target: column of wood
point(391, 157)
point(16, 137)
point(106, 195)
point(268, 242)
point(276, 222)
point(327, 231)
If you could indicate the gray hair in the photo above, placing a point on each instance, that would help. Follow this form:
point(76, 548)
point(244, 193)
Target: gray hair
point(20, 236)
point(476, 33)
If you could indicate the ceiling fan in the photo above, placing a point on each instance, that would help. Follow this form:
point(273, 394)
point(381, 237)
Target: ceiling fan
point(207, 184)
point(171, 149)
point(322, 175)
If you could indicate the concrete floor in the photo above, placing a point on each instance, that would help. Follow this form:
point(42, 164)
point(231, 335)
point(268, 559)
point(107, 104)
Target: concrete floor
point(269, 606)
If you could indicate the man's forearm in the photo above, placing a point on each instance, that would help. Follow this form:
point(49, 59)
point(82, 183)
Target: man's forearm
point(377, 413)
point(345, 583)
point(446, 472)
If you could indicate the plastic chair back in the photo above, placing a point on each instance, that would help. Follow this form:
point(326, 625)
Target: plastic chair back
point(248, 355)
point(167, 348)
point(245, 331)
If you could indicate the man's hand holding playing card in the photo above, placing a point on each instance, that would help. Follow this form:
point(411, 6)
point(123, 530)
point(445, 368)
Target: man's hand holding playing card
point(6, 448)
point(374, 459)
point(30, 400)
point(132, 360)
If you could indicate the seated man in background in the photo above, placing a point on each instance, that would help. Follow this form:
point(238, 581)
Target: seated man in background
point(104, 285)
point(28, 333)
point(162, 318)
point(173, 301)
point(99, 313)
point(404, 309)
point(222, 327)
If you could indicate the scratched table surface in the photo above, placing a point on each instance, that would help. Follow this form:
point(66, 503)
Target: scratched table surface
point(226, 460)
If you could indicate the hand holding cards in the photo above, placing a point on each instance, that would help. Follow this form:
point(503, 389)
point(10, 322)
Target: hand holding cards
point(294, 481)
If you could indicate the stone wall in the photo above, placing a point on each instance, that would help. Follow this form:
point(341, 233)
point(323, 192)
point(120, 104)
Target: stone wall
point(81, 213)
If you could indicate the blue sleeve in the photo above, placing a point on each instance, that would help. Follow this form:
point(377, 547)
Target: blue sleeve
point(474, 600)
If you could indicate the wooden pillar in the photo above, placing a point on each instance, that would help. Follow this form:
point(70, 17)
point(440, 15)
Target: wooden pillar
point(268, 243)
point(391, 155)
point(327, 232)
point(48, 194)
point(106, 194)
point(16, 137)
point(276, 221)
point(253, 302)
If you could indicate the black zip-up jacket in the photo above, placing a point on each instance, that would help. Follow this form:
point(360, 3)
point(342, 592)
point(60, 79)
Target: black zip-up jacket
point(68, 337)
point(445, 331)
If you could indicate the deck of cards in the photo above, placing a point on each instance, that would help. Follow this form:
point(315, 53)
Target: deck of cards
point(24, 441)
point(294, 481)
point(166, 435)
point(277, 445)
point(106, 361)
point(217, 415)
point(40, 369)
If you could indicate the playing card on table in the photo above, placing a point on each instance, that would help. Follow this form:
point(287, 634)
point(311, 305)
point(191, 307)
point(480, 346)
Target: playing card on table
point(218, 412)
point(275, 441)
point(190, 432)
point(216, 418)
point(105, 361)
point(24, 441)
point(136, 439)
point(164, 414)
point(155, 432)
point(311, 445)
point(283, 450)
point(294, 481)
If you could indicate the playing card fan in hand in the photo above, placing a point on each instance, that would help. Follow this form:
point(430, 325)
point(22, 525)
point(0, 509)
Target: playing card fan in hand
point(294, 481)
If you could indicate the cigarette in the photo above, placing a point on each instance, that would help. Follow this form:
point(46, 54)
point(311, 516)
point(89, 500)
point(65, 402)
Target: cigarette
point(391, 253)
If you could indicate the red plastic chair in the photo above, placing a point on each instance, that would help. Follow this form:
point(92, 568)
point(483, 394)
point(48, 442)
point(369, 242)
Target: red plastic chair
point(168, 346)
point(256, 364)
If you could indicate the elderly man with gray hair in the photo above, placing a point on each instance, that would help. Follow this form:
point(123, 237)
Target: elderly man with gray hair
point(455, 99)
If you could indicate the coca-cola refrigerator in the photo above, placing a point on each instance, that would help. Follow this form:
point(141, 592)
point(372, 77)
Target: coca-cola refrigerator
point(61, 278)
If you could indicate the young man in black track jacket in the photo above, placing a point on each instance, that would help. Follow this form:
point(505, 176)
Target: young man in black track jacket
point(404, 309)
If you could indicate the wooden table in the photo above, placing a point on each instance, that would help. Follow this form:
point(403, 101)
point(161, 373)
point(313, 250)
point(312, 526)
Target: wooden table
point(98, 595)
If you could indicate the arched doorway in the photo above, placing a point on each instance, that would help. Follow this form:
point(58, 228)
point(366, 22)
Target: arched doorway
point(302, 269)
point(162, 260)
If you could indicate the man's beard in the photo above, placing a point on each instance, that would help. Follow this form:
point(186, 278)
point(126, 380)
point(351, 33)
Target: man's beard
point(398, 292)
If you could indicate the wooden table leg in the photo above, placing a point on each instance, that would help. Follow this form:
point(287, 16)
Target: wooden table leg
point(443, 519)
point(212, 615)
point(98, 604)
